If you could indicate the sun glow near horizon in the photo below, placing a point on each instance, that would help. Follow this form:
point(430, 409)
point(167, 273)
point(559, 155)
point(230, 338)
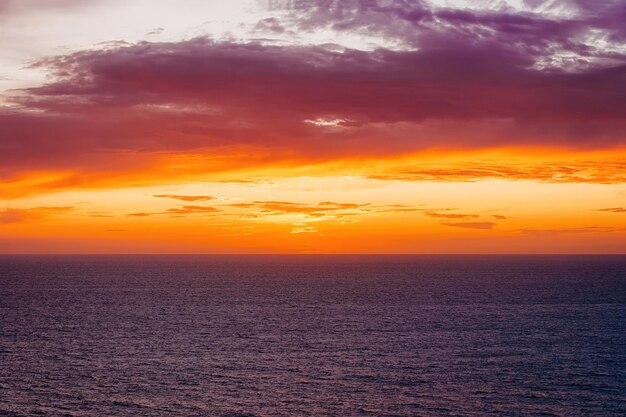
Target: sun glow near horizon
point(425, 127)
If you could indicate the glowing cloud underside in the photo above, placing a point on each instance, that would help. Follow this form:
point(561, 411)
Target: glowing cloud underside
point(420, 128)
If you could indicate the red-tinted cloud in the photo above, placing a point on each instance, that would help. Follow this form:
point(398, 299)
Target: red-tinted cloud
point(254, 85)
point(472, 81)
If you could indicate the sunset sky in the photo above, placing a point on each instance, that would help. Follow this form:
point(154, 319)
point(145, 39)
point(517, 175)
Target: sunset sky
point(328, 126)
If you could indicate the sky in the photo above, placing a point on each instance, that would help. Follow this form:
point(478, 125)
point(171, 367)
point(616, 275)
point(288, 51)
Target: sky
point(328, 126)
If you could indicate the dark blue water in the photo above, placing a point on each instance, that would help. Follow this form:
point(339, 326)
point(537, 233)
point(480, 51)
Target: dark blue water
point(313, 336)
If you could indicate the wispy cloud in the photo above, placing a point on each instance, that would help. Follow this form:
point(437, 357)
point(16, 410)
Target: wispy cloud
point(472, 225)
point(23, 215)
point(193, 210)
point(572, 230)
point(608, 172)
point(614, 209)
point(304, 229)
point(186, 197)
point(436, 214)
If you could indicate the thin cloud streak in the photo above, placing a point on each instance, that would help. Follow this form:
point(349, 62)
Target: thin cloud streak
point(472, 225)
point(24, 215)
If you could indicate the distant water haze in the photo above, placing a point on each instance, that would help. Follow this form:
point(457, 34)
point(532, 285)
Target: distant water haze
point(313, 336)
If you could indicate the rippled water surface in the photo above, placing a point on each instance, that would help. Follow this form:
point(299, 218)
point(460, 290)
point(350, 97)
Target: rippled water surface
point(312, 336)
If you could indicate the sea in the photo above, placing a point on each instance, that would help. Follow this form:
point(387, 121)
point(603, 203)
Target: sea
point(312, 335)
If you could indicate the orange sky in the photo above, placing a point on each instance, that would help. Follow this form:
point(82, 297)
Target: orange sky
point(364, 206)
point(415, 136)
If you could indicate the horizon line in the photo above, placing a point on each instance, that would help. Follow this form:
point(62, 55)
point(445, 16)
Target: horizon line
point(314, 254)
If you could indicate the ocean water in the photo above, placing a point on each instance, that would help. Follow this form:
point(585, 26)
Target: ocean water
point(313, 336)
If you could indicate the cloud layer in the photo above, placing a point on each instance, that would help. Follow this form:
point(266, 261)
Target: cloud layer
point(457, 79)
